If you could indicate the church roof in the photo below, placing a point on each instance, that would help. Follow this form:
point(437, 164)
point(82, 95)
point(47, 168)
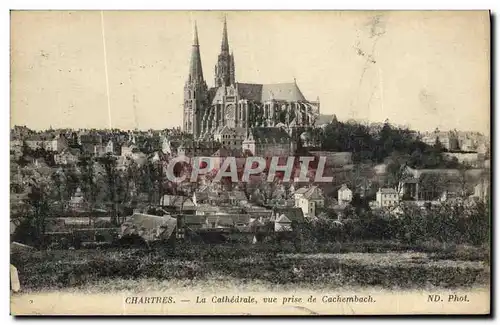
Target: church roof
point(289, 92)
point(226, 130)
point(324, 119)
point(270, 134)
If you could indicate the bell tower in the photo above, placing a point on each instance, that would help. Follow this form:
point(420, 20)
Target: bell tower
point(195, 91)
point(224, 70)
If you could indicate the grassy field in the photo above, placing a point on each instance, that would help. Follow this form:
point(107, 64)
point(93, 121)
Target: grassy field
point(332, 265)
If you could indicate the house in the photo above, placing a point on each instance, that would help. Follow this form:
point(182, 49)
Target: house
point(16, 145)
point(448, 140)
point(482, 190)
point(178, 203)
point(200, 195)
point(220, 221)
point(77, 201)
point(230, 138)
point(269, 142)
point(128, 148)
point(112, 147)
point(35, 142)
point(56, 143)
point(285, 218)
point(90, 143)
point(387, 197)
point(166, 146)
point(191, 148)
point(237, 197)
point(309, 139)
point(397, 211)
point(344, 194)
point(206, 209)
point(298, 194)
point(67, 157)
point(309, 200)
point(339, 210)
point(257, 211)
point(148, 143)
point(434, 184)
point(149, 227)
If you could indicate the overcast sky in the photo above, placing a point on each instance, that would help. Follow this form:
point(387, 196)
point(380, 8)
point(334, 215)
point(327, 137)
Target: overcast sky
point(424, 69)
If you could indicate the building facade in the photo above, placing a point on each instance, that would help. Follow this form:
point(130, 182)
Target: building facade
point(387, 197)
point(239, 105)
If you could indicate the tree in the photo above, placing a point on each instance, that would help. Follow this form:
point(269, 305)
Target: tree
point(109, 164)
point(60, 182)
point(87, 179)
point(397, 171)
point(432, 186)
point(32, 227)
point(438, 146)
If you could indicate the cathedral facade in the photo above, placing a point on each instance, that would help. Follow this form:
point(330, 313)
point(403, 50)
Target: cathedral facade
point(239, 106)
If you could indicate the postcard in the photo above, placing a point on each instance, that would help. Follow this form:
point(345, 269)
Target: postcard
point(250, 163)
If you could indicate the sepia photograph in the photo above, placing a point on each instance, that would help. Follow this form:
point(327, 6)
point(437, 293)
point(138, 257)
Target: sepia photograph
point(250, 162)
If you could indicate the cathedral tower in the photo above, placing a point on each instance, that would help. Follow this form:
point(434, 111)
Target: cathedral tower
point(224, 70)
point(195, 91)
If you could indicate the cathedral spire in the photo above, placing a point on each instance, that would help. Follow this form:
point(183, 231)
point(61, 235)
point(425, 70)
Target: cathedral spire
point(195, 69)
point(224, 70)
point(194, 90)
point(195, 42)
point(225, 43)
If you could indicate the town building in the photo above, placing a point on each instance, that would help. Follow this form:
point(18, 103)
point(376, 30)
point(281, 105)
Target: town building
point(344, 195)
point(309, 200)
point(449, 140)
point(231, 138)
point(387, 197)
point(238, 105)
point(269, 142)
point(55, 143)
point(67, 157)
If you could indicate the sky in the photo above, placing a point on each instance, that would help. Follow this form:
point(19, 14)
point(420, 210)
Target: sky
point(127, 69)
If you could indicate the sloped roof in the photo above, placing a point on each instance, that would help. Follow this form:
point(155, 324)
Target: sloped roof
point(289, 92)
point(313, 193)
point(238, 195)
point(324, 119)
point(269, 135)
point(344, 187)
point(149, 227)
point(231, 131)
point(91, 138)
point(301, 190)
point(283, 219)
point(193, 219)
point(387, 191)
point(293, 213)
point(228, 152)
point(251, 92)
point(177, 201)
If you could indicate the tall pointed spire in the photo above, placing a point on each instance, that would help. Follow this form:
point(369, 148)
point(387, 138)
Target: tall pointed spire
point(195, 69)
point(225, 43)
point(224, 70)
point(196, 43)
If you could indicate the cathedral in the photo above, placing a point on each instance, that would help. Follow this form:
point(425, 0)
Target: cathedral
point(239, 106)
